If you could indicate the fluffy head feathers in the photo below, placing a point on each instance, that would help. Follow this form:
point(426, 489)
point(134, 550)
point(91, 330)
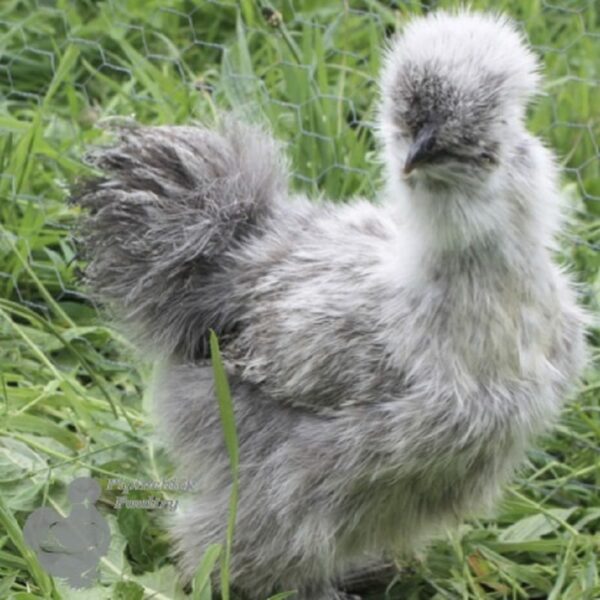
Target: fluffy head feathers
point(467, 50)
point(456, 83)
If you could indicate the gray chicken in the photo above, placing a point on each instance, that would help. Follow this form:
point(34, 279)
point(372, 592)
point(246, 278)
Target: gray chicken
point(389, 362)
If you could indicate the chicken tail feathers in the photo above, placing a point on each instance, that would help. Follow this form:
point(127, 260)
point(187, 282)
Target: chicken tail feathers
point(159, 222)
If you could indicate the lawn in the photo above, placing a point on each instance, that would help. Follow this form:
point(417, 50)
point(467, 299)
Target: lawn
point(72, 389)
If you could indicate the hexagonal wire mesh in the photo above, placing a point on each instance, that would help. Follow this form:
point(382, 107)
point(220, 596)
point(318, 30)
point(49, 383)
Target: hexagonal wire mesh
point(307, 68)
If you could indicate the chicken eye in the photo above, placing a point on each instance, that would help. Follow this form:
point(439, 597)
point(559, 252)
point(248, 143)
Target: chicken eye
point(487, 158)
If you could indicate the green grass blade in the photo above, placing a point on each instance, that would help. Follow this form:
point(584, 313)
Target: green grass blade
point(230, 435)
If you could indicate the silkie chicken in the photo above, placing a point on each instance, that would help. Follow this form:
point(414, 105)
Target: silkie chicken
point(389, 362)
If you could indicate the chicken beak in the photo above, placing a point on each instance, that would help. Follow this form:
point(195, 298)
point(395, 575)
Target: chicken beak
point(421, 150)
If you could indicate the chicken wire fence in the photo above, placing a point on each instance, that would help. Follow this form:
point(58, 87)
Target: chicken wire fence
point(307, 68)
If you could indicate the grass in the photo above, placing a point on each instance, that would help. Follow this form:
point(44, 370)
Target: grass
point(72, 392)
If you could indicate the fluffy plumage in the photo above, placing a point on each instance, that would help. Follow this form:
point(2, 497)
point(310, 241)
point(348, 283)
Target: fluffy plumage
point(176, 200)
point(389, 363)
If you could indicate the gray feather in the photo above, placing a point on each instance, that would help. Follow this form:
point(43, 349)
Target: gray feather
point(172, 201)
